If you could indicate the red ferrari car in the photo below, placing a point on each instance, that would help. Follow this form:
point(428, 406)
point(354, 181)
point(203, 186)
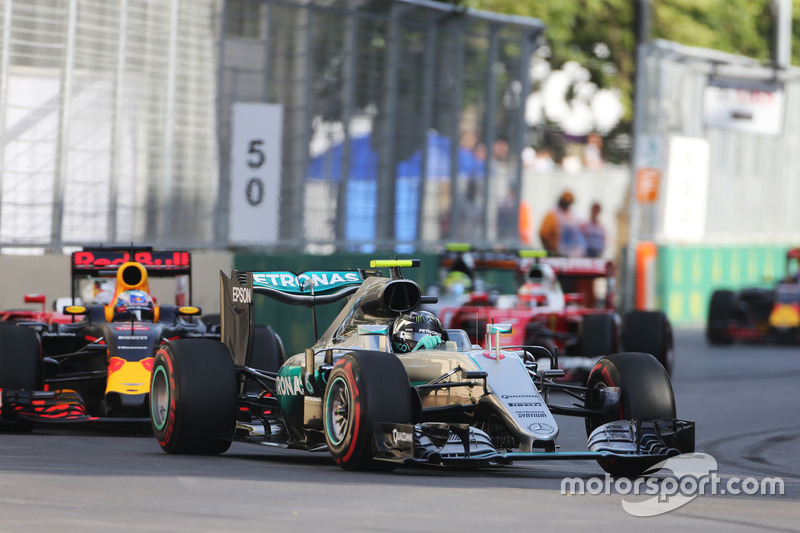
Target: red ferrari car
point(564, 304)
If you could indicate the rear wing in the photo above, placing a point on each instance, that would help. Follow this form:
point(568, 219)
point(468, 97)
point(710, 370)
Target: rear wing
point(103, 262)
point(579, 266)
point(454, 257)
point(307, 289)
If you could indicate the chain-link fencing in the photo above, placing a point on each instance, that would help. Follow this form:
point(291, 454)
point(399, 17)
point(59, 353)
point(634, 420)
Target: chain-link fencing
point(392, 113)
point(107, 115)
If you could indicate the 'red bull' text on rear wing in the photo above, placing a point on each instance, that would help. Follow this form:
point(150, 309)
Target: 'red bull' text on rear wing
point(104, 262)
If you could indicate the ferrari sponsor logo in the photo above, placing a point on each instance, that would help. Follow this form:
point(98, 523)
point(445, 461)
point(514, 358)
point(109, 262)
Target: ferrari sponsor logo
point(290, 386)
point(299, 283)
point(242, 295)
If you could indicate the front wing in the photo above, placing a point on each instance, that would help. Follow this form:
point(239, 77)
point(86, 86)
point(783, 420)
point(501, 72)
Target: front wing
point(647, 442)
point(59, 407)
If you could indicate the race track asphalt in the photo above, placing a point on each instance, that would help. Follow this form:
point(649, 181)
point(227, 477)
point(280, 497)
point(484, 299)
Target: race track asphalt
point(744, 399)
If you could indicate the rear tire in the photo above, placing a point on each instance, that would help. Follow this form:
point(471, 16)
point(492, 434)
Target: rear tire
point(364, 388)
point(645, 394)
point(268, 351)
point(649, 332)
point(268, 354)
point(598, 335)
point(193, 397)
point(20, 359)
point(720, 312)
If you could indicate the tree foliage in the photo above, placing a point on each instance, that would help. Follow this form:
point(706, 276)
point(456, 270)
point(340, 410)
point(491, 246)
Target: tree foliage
point(574, 29)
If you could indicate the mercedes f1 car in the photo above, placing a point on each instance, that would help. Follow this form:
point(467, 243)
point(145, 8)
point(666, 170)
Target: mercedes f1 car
point(758, 314)
point(374, 408)
point(97, 366)
point(564, 304)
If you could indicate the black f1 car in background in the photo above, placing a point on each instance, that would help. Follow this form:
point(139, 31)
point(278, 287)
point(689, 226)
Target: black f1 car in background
point(758, 314)
point(98, 365)
point(374, 409)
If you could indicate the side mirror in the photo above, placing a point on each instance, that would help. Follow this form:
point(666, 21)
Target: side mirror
point(34, 298)
point(76, 310)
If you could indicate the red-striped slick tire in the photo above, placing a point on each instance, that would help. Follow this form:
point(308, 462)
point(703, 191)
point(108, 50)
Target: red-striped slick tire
point(645, 394)
point(364, 388)
point(645, 387)
point(193, 397)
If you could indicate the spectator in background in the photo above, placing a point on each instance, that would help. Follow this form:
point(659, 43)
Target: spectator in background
point(528, 157)
point(500, 151)
point(514, 214)
point(593, 152)
point(594, 233)
point(544, 160)
point(560, 231)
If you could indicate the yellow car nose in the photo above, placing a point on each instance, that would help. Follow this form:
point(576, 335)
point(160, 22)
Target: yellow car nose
point(129, 377)
point(785, 316)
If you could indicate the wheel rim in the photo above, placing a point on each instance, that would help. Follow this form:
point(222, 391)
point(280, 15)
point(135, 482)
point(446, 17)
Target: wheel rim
point(159, 397)
point(337, 411)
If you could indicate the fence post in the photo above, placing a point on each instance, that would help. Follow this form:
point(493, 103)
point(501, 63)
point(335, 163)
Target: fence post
point(116, 124)
point(428, 88)
point(455, 124)
point(60, 178)
point(387, 165)
point(5, 61)
point(348, 103)
point(167, 183)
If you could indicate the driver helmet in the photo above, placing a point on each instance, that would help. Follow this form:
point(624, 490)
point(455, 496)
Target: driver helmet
point(409, 328)
point(541, 282)
point(457, 282)
point(134, 304)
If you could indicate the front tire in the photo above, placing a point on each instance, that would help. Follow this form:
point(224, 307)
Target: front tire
point(720, 312)
point(364, 388)
point(193, 397)
point(20, 359)
point(645, 394)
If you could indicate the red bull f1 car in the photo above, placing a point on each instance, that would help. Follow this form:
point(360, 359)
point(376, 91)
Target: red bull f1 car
point(97, 366)
point(374, 407)
point(565, 304)
point(758, 314)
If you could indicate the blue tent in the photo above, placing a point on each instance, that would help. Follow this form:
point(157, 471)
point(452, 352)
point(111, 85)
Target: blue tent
point(362, 186)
